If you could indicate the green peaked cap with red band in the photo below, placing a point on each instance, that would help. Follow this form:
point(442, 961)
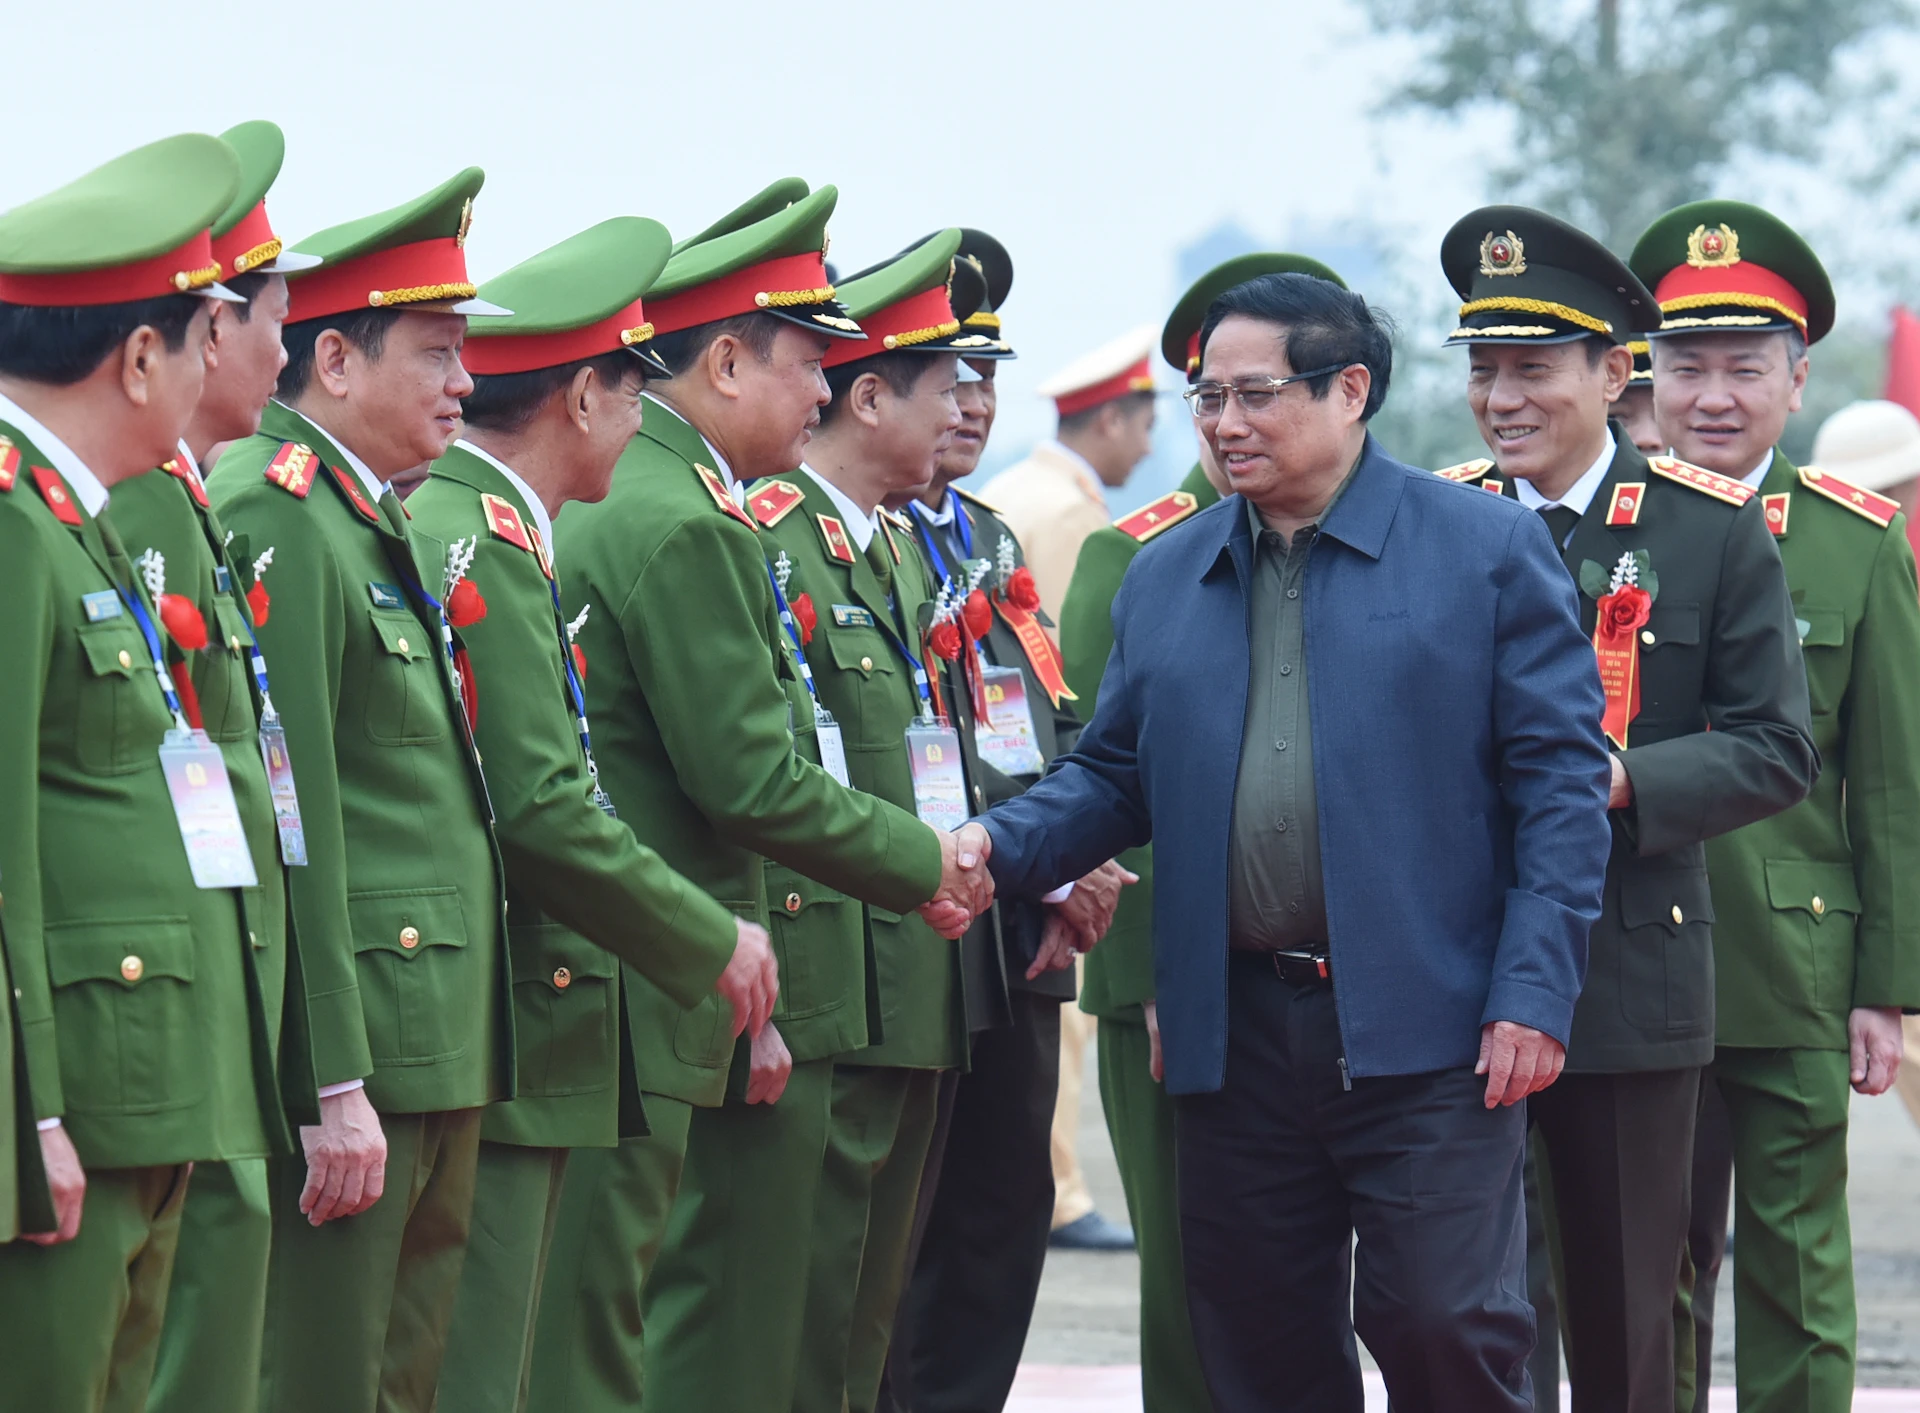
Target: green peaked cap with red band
point(134, 228)
point(770, 200)
point(575, 300)
point(1728, 267)
point(776, 265)
point(914, 303)
point(410, 256)
point(1180, 339)
point(244, 241)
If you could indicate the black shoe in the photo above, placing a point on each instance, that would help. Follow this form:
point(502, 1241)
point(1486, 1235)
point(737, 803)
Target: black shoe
point(1092, 1232)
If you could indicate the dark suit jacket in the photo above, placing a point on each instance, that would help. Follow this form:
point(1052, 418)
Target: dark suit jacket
point(1461, 774)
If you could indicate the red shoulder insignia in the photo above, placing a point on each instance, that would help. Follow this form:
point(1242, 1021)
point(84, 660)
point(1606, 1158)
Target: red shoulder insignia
point(1624, 508)
point(292, 469)
point(349, 485)
point(1466, 470)
point(189, 477)
point(505, 521)
point(59, 499)
point(1497, 487)
point(9, 463)
point(540, 553)
point(717, 488)
point(1711, 483)
point(835, 534)
point(1777, 507)
point(1876, 508)
point(773, 501)
point(886, 529)
point(1150, 519)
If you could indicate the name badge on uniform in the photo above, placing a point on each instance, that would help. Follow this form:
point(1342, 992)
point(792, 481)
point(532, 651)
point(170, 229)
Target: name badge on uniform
point(101, 606)
point(386, 596)
point(846, 615)
point(939, 784)
point(833, 746)
point(1006, 739)
point(222, 579)
point(286, 803)
point(203, 805)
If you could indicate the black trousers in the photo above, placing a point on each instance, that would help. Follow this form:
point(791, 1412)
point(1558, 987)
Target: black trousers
point(1707, 1229)
point(981, 1231)
point(1282, 1169)
point(1620, 1148)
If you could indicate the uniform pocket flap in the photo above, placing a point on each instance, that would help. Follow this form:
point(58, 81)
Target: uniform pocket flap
point(128, 951)
point(790, 894)
point(233, 623)
point(1812, 887)
point(1676, 623)
point(113, 648)
point(860, 652)
point(1670, 898)
point(1826, 628)
point(401, 635)
point(557, 956)
point(406, 920)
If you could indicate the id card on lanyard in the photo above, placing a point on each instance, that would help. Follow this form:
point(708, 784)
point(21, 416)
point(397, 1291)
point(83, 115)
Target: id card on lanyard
point(1006, 739)
point(833, 745)
point(273, 751)
point(939, 784)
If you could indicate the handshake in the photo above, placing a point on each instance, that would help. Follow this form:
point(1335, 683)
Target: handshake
point(966, 888)
point(1074, 924)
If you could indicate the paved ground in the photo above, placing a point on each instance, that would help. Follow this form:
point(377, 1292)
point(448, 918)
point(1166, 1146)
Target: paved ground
point(1087, 1313)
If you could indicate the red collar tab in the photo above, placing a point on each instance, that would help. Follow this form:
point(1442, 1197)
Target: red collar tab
point(58, 498)
point(789, 281)
point(182, 270)
point(489, 354)
point(350, 487)
point(1742, 284)
point(835, 536)
point(722, 497)
point(1624, 508)
point(917, 319)
point(9, 463)
point(188, 477)
point(421, 272)
point(1138, 378)
point(250, 244)
point(1777, 507)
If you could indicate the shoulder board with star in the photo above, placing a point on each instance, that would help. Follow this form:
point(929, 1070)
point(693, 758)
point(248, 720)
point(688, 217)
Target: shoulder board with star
point(1860, 501)
point(773, 501)
point(505, 522)
point(9, 463)
point(292, 469)
point(1150, 519)
point(983, 503)
point(184, 473)
point(1709, 483)
point(723, 498)
point(1466, 470)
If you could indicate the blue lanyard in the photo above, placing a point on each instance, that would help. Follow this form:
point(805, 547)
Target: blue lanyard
point(793, 634)
point(440, 612)
point(574, 688)
point(140, 616)
point(918, 668)
point(962, 528)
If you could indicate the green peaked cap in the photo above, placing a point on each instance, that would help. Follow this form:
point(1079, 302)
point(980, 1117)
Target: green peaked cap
point(261, 148)
point(775, 265)
point(773, 198)
point(982, 279)
point(885, 298)
point(410, 256)
point(593, 278)
point(87, 242)
point(1724, 264)
point(1183, 325)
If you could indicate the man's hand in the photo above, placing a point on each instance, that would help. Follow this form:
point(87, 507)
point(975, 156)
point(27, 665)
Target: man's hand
point(1873, 1045)
point(1620, 788)
point(67, 1180)
point(1517, 1061)
point(769, 1064)
point(346, 1159)
point(1156, 1062)
point(966, 888)
point(1075, 924)
point(751, 982)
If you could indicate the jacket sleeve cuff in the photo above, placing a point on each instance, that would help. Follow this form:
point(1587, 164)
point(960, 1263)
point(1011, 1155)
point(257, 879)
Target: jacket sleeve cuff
point(700, 943)
point(340, 1050)
point(1528, 1005)
point(49, 1099)
point(913, 856)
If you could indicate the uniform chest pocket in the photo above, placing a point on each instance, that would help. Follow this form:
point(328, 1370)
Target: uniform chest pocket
point(1823, 642)
point(808, 922)
point(125, 1010)
point(404, 702)
point(120, 715)
point(1670, 671)
point(226, 704)
point(1666, 948)
point(565, 1020)
point(416, 982)
point(874, 683)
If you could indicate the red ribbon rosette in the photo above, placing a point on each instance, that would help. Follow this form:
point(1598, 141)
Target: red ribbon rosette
point(258, 601)
point(1021, 591)
point(945, 640)
point(579, 660)
point(183, 622)
point(1616, 647)
point(977, 614)
point(465, 605)
point(805, 616)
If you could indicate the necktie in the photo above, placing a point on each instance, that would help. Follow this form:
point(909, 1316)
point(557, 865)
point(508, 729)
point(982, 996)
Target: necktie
point(880, 562)
point(1560, 522)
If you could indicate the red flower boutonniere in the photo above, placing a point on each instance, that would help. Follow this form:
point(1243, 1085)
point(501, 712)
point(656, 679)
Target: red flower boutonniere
point(805, 616)
point(1625, 601)
point(977, 614)
point(465, 605)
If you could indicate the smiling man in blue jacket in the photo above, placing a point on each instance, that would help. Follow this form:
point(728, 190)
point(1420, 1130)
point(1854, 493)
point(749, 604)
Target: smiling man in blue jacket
point(1352, 707)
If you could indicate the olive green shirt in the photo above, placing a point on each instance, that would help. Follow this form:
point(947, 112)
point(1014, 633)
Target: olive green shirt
point(1275, 898)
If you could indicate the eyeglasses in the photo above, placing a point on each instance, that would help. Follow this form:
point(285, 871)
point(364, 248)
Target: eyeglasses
point(1209, 400)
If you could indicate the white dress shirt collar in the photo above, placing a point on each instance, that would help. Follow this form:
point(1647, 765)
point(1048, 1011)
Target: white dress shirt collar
point(65, 460)
point(1754, 477)
point(1576, 497)
point(860, 525)
point(542, 521)
point(375, 486)
point(949, 507)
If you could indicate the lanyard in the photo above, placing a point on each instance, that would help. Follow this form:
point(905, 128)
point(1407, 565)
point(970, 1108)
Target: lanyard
point(913, 662)
point(440, 612)
point(962, 529)
point(793, 635)
point(140, 616)
point(574, 689)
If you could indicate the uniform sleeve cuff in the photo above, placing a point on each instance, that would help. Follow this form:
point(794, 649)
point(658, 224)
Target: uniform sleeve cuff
point(327, 1091)
point(47, 1125)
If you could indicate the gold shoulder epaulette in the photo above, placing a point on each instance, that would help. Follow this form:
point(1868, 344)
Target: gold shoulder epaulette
point(772, 501)
point(292, 469)
point(1876, 508)
point(9, 463)
point(900, 521)
point(1149, 520)
point(1707, 482)
point(980, 501)
point(505, 521)
point(1466, 470)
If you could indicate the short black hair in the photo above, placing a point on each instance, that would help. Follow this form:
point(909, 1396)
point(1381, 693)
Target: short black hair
point(365, 329)
point(248, 287)
point(1126, 402)
point(1325, 326)
point(682, 348)
point(507, 402)
point(1596, 347)
point(62, 344)
point(899, 369)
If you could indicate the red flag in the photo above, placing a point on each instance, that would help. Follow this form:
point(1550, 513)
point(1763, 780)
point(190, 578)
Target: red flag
point(1903, 379)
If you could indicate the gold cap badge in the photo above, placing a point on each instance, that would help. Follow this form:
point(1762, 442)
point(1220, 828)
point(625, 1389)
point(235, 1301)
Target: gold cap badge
point(466, 224)
point(1503, 255)
point(1710, 249)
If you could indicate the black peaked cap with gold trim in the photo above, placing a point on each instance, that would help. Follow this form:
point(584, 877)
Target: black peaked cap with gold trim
point(982, 277)
point(1526, 277)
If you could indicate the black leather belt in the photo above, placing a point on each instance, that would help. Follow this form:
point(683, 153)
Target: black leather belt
point(1302, 969)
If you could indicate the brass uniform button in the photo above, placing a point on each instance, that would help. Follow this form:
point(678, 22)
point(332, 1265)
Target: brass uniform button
point(126, 658)
point(562, 978)
point(1819, 905)
point(410, 937)
point(1678, 916)
point(132, 968)
point(1646, 636)
point(403, 645)
point(866, 663)
point(979, 798)
point(252, 938)
point(233, 641)
point(793, 902)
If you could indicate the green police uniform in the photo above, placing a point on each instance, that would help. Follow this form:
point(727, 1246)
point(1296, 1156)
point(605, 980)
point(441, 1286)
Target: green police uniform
point(705, 741)
point(138, 994)
point(399, 908)
point(25, 1203)
point(210, 1344)
point(1706, 706)
point(1817, 910)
